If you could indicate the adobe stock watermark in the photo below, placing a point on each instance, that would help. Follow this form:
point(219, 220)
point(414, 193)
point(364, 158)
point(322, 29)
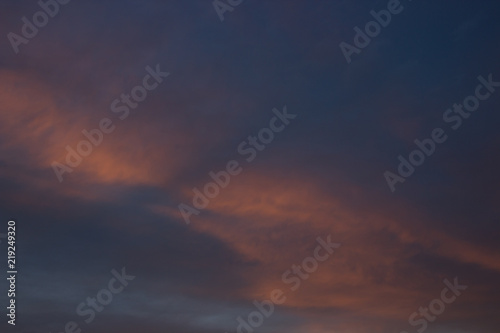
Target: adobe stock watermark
point(29, 30)
point(437, 306)
point(250, 148)
point(294, 277)
point(121, 106)
point(453, 116)
point(372, 29)
point(103, 298)
point(222, 6)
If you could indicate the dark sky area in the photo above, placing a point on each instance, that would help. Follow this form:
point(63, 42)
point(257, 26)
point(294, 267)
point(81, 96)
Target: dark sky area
point(321, 143)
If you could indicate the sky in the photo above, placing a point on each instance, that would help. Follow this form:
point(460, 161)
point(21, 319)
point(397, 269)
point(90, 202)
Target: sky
point(250, 166)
